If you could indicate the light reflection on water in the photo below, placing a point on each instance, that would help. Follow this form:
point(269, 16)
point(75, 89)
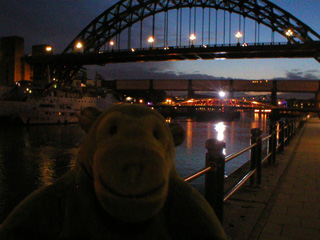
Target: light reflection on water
point(35, 156)
point(190, 156)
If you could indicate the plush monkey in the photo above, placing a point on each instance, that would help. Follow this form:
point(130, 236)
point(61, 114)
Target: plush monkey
point(124, 186)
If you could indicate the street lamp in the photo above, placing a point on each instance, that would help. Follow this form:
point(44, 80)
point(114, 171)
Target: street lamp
point(222, 94)
point(79, 46)
point(151, 41)
point(289, 33)
point(238, 35)
point(111, 43)
point(192, 38)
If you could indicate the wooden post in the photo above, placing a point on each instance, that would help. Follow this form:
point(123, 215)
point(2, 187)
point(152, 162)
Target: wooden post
point(256, 156)
point(214, 179)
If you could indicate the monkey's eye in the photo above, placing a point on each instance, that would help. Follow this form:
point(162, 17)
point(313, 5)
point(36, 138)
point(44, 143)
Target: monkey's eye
point(113, 130)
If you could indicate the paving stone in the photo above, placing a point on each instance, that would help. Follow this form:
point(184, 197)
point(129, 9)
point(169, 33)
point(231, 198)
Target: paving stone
point(302, 212)
point(303, 233)
point(287, 206)
point(310, 223)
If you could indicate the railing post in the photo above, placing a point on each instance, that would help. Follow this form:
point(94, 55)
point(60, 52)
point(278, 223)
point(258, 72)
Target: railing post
point(273, 143)
point(214, 179)
point(281, 136)
point(256, 156)
point(293, 127)
point(288, 131)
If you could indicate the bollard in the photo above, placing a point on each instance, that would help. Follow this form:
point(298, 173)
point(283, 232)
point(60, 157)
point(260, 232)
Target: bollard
point(256, 156)
point(214, 179)
point(281, 136)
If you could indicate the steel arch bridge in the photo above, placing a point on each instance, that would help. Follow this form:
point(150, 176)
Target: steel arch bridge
point(135, 18)
point(125, 13)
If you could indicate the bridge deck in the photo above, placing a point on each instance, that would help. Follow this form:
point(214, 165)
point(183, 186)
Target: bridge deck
point(227, 51)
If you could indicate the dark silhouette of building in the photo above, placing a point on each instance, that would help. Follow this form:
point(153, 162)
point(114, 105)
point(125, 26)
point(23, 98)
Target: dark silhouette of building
point(13, 67)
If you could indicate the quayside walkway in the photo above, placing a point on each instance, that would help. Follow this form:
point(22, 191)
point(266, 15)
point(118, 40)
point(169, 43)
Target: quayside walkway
point(287, 205)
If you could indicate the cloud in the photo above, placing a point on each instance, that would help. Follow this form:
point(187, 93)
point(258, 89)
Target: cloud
point(297, 74)
point(147, 70)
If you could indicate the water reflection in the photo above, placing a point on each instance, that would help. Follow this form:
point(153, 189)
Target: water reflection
point(46, 170)
point(220, 128)
point(33, 157)
point(189, 134)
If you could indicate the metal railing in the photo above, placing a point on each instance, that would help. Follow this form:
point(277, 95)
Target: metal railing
point(280, 134)
point(255, 44)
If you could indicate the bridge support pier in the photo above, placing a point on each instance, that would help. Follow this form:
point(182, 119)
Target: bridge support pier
point(231, 90)
point(151, 85)
point(190, 90)
point(274, 93)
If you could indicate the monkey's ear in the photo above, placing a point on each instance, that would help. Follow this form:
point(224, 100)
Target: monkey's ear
point(178, 133)
point(87, 117)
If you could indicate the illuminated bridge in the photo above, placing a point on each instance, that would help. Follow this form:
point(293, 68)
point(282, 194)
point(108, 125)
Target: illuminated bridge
point(167, 30)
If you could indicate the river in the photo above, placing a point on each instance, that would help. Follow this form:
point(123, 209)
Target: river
point(31, 157)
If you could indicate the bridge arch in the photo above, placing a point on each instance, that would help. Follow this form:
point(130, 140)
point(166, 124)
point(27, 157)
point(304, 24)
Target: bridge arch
point(126, 13)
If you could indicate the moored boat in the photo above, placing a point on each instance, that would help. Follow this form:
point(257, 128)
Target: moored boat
point(53, 107)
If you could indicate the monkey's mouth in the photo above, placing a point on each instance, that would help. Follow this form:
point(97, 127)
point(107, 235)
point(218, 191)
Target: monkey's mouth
point(153, 192)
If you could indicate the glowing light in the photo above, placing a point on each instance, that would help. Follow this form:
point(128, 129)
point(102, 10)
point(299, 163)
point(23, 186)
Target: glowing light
point(111, 43)
point(169, 101)
point(222, 94)
point(239, 35)
point(132, 50)
point(289, 32)
point(150, 39)
point(79, 45)
point(193, 37)
point(48, 48)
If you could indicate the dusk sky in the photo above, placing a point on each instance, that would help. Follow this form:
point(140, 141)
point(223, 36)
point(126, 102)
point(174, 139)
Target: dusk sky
point(57, 22)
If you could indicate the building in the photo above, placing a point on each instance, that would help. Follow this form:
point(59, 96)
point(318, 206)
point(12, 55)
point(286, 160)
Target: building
point(13, 67)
